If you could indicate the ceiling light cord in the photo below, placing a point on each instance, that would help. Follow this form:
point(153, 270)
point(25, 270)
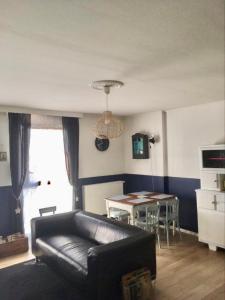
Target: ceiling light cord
point(107, 101)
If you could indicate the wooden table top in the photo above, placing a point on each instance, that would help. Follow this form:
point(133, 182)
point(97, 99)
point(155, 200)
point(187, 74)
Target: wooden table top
point(149, 198)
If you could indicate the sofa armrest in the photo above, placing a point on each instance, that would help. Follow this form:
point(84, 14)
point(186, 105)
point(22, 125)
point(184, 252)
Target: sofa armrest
point(108, 263)
point(48, 225)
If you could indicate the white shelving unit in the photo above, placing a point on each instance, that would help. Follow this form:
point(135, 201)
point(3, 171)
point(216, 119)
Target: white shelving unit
point(211, 196)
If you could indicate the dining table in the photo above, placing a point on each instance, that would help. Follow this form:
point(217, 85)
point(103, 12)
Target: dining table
point(133, 201)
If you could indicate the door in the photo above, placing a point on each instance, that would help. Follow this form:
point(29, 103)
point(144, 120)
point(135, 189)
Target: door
point(211, 227)
point(209, 181)
point(47, 183)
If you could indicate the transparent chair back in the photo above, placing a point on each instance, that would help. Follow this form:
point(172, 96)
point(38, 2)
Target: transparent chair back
point(148, 217)
point(172, 210)
point(169, 215)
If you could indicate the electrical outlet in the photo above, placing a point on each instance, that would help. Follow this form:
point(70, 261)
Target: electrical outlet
point(3, 156)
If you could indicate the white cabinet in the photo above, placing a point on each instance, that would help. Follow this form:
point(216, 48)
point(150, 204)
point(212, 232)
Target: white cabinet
point(212, 181)
point(211, 196)
point(211, 218)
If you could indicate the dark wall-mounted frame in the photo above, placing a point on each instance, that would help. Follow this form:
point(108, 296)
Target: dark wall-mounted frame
point(140, 146)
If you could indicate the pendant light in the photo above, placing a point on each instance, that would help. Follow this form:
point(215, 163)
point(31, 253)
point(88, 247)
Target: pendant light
point(107, 126)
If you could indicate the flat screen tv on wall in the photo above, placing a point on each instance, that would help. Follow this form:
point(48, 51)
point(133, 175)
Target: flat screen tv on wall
point(140, 146)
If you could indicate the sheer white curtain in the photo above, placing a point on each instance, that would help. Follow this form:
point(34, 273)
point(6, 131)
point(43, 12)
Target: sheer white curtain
point(46, 163)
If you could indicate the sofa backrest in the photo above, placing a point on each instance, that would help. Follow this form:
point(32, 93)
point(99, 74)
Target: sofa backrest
point(102, 229)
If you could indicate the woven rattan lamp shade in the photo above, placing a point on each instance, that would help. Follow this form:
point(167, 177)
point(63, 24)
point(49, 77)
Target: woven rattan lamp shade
point(108, 126)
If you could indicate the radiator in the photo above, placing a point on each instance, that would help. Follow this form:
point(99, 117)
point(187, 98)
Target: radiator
point(94, 195)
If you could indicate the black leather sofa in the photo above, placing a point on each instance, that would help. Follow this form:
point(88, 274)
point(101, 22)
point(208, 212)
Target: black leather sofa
point(92, 251)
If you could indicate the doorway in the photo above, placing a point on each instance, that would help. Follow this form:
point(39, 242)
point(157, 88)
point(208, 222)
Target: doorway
point(47, 183)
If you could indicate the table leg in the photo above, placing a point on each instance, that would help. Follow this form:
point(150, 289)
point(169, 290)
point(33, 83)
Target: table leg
point(174, 228)
point(132, 215)
point(168, 235)
point(107, 209)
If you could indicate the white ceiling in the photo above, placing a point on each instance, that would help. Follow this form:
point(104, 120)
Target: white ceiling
point(169, 53)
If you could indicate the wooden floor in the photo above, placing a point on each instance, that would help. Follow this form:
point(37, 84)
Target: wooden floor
point(16, 259)
point(187, 270)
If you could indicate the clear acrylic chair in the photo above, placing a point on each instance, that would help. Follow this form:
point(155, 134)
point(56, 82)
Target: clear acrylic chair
point(148, 219)
point(169, 215)
point(119, 214)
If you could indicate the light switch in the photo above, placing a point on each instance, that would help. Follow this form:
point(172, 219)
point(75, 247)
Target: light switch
point(3, 156)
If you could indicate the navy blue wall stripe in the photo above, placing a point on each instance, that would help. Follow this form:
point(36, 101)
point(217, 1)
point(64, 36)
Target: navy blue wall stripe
point(100, 179)
point(184, 188)
point(136, 182)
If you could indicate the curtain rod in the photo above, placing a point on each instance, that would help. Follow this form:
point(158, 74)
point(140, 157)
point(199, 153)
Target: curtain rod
point(25, 110)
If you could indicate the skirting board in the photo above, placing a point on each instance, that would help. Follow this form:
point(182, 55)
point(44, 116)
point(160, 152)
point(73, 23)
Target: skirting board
point(189, 232)
point(183, 230)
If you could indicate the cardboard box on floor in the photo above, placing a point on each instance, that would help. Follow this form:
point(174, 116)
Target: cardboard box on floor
point(137, 285)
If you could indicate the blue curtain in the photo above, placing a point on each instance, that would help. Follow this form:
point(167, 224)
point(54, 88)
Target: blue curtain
point(71, 149)
point(19, 142)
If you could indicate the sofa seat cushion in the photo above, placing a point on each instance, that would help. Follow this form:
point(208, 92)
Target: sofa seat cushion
point(68, 251)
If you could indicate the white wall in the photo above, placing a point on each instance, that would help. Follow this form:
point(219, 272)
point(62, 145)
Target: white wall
point(5, 179)
point(149, 123)
point(96, 163)
point(187, 129)
point(92, 161)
